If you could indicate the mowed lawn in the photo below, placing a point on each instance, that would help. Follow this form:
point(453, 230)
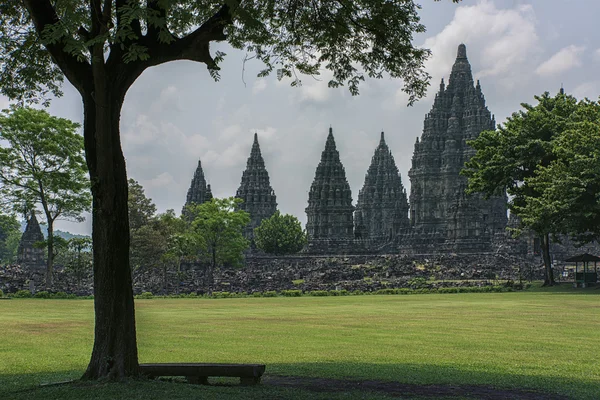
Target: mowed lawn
point(548, 342)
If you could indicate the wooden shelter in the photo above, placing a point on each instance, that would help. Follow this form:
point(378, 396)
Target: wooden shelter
point(587, 276)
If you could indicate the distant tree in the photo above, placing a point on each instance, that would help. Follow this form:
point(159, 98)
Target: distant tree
point(217, 227)
point(77, 257)
point(570, 184)
point(43, 164)
point(102, 47)
point(141, 209)
point(161, 244)
point(280, 234)
point(511, 156)
point(10, 235)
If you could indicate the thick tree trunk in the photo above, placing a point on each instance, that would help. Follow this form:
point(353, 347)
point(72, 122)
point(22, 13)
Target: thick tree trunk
point(549, 276)
point(114, 355)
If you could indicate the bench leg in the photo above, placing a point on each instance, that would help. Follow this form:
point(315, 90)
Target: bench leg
point(197, 380)
point(249, 381)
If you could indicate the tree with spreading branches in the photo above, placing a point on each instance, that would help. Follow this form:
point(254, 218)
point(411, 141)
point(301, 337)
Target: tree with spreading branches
point(103, 46)
point(42, 164)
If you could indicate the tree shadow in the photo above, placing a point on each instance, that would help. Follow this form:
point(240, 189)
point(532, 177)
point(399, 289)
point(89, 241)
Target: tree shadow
point(328, 380)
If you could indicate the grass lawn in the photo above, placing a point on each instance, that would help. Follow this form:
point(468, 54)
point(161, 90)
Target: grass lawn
point(538, 340)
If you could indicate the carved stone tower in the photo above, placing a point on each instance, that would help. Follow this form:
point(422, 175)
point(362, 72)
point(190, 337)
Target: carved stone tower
point(199, 192)
point(330, 207)
point(256, 191)
point(382, 208)
point(28, 255)
point(440, 210)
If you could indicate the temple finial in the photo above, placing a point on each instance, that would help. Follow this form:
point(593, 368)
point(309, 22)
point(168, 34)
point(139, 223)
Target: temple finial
point(462, 51)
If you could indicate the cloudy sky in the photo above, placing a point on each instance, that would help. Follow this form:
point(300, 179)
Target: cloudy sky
point(176, 114)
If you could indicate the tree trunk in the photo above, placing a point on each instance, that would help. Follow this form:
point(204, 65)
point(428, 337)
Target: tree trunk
point(114, 355)
point(549, 276)
point(50, 261)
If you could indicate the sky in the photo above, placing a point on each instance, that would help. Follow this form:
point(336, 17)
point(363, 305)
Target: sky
point(175, 114)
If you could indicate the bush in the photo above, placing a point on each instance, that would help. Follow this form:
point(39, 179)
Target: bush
point(60, 295)
point(1, 293)
point(270, 293)
point(145, 295)
point(221, 295)
point(42, 295)
point(291, 293)
point(257, 294)
point(22, 294)
point(318, 293)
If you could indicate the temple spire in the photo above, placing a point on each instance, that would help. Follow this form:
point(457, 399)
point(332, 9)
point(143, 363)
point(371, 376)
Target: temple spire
point(198, 192)
point(330, 207)
point(382, 208)
point(255, 190)
point(462, 51)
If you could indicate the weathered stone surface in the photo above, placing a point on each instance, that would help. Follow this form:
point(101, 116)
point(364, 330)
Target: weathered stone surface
point(441, 213)
point(330, 206)
point(199, 192)
point(256, 191)
point(28, 255)
point(382, 207)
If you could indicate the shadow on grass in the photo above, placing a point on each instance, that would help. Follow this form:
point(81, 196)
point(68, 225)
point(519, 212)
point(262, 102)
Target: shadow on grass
point(565, 288)
point(320, 381)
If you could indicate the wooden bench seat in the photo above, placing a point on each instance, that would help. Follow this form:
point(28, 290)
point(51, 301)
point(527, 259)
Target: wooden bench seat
point(198, 373)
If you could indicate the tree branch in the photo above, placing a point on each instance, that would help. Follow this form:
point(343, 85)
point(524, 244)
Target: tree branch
point(43, 15)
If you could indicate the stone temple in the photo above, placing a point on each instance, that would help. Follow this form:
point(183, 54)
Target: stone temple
point(256, 191)
point(441, 217)
point(382, 207)
point(199, 192)
point(330, 209)
point(440, 211)
point(28, 254)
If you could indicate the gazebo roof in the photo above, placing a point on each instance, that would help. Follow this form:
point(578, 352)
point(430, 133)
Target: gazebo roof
point(583, 258)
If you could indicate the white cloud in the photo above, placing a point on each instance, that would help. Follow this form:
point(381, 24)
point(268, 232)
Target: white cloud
point(590, 89)
point(499, 43)
point(260, 84)
point(567, 58)
point(159, 181)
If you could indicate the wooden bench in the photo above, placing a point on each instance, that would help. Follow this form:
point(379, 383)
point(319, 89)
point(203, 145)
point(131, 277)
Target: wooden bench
point(249, 374)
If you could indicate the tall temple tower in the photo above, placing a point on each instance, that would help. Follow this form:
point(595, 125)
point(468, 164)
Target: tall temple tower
point(199, 192)
point(440, 211)
point(256, 191)
point(330, 207)
point(29, 255)
point(382, 208)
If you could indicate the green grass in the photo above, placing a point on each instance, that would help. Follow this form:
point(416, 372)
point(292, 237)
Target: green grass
point(546, 340)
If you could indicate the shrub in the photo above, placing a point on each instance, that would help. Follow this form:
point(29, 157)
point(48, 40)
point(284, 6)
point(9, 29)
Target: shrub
point(145, 295)
point(291, 293)
point(22, 294)
point(257, 294)
point(318, 293)
point(417, 283)
point(42, 295)
point(1, 293)
point(270, 293)
point(221, 295)
point(60, 295)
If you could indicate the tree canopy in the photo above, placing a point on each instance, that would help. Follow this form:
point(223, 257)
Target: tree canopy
point(43, 164)
point(217, 226)
point(280, 234)
point(521, 156)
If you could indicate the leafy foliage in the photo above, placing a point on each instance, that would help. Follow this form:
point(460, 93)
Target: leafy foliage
point(570, 184)
point(352, 39)
point(141, 209)
point(538, 159)
point(217, 226)
point(10, 235)
point(280, 234)
point(43, 164)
